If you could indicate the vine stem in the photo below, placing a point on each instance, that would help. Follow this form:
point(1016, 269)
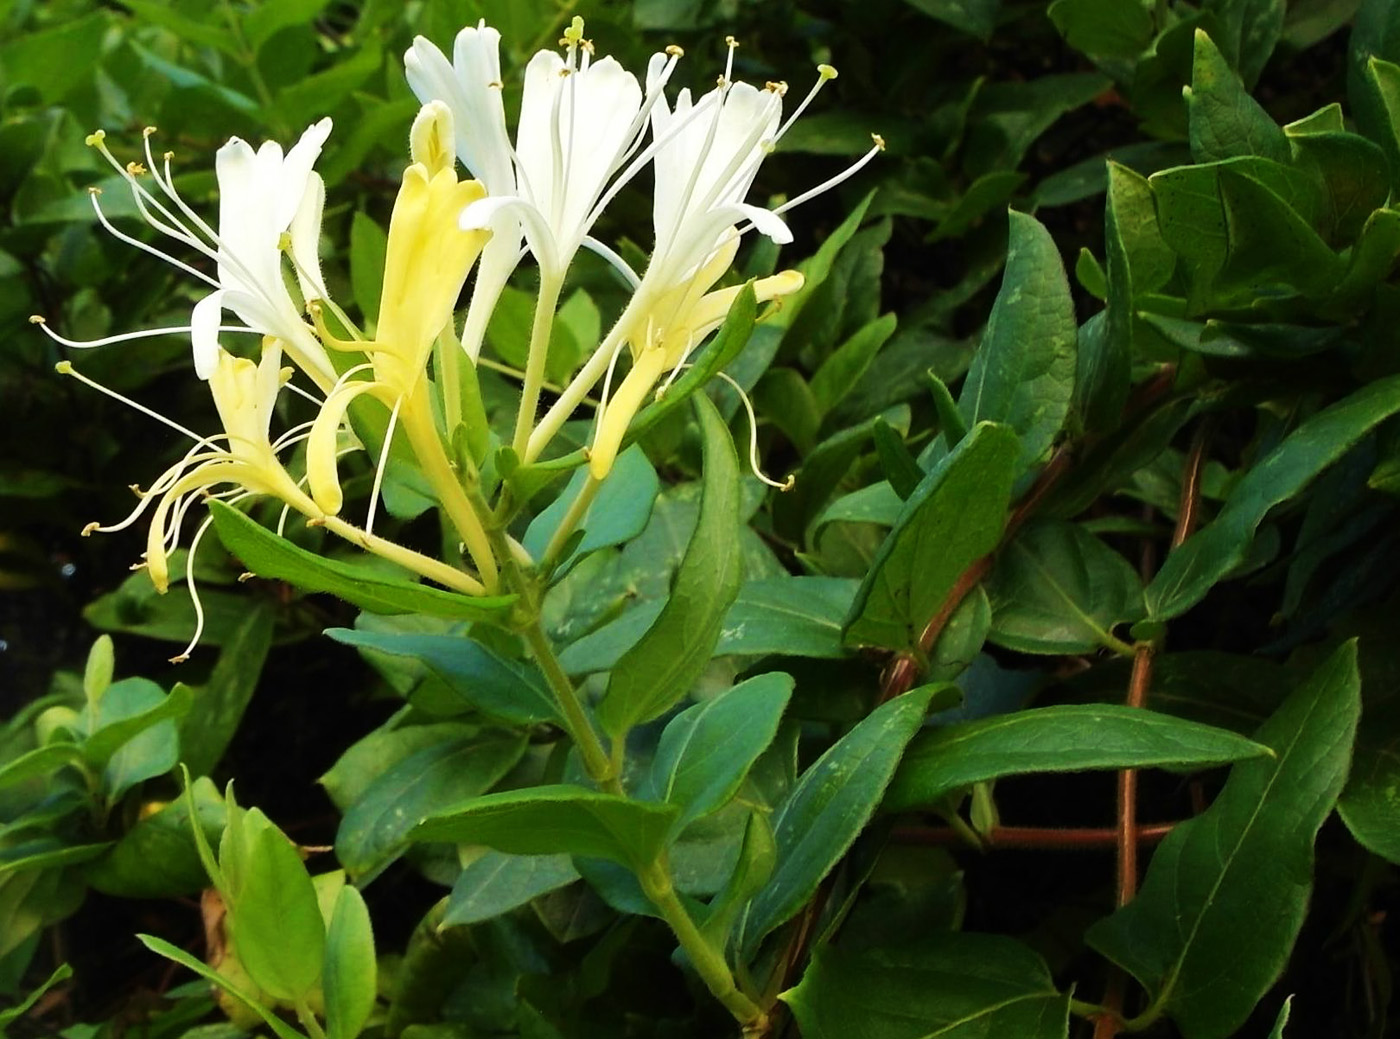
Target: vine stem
point(595, 759)
point(708, 961)
point(1031, 838)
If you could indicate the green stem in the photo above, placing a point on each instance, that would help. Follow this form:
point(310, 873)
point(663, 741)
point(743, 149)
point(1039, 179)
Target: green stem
point(545, 304)
point(590, 747)
point(708, 961)
point(308, 1020)
point(573, 516)
point(447, 365)
point(1079, 1008)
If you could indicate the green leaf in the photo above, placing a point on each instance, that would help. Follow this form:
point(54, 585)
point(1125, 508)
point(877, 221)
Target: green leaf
point(305, 99)
point(953, 518)
point(189, 30)
point(350, 974)
point(552, 820)
point(706, 751)
point(1064, 738)
point(44, 60)
point(267, 19)
point(1023, 373)
point(1283, 1014)
point(1370, 804)
point(1058, 589)
point(205, 732)
point(511, 690)
point(97, 673)
point(841, 371)
point(1210, 554)
point(658, 671)
point(41, 761)
point(497, 882)
point(10, 1015)
point(828, 808)
point(1249, 31)
point(1119, 29)
point(1226, 892)
point(975, 17)
point(135, 738)
point(369, 244)
point(375, 828)
point(758, 854)
point(899, 465)
point(270, 556)
point(1225, 121)
point(157, 857)
point(949, 986)
point(173, 952)
point(620, 510)
point(273, 916)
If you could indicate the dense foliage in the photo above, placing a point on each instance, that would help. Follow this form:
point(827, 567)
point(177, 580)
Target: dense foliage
point(1055, 697)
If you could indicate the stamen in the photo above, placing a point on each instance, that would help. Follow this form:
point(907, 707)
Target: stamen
point(123, 337)
point(827, 185)
point(184, 654)
point(123, 237)
point(824, 73)
point(787, 484)
point(66, 368)
point(383, 462)
point(619, 264)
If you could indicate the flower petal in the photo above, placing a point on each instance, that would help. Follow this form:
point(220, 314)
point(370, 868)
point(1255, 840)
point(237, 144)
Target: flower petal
point(306, 234)
point(204, 333)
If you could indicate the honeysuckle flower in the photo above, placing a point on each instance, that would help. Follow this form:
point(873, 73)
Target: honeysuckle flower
point(426, 263)
point(706, 155)
point(580, 122)
point(243, 458)
point(268, 202)
point(665, 338)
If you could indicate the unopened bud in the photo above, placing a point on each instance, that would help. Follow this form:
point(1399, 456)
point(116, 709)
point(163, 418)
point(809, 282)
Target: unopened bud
point(430, 142)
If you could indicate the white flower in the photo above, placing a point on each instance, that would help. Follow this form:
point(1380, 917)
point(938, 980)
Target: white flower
point(268, 202)
point(581, 121)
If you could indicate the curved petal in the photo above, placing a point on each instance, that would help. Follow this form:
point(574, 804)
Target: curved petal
point(322, 475)
point(618, 413)
point(485, 212)
point(472, 89)
point(204, 333)
point(597, 122)
point(291, 174)
point(306, 234)
point(536, 146)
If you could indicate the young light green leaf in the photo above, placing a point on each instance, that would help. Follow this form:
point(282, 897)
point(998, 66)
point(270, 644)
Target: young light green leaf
point(1226, 892)
point(658, 671)
point(498, 882)
point(1209, 555)
point(97, 674)
point(1023, 373)
point(138, 704)
point(350, 972)
point(268, 555)
point(954, 517)
point(840, 372)
point(550, 820)
point(1062, 738)
point(1284, 1012)
point(758, 854)
point(949, 986)
point(173, 952)
point(12, 1014)
point(828, 808)
point(1058, 589)
point(706, 750)
point(157, 857)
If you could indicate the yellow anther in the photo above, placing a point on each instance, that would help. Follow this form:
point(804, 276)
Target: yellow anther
point(95, 138)
point(135, 169)
point(496, 84)
point(720, 81)
point(94, 191)
point(788, 484)
point(778, 87)
point(64, 367)
point(826, 72)
point(675, 51)
point(731, 42)
point(565, 72)
point(588, 46)
point(37, 319)
point(87, 531)
point(147, 131)
point(879, 141)
point(180, 659)
point(167, 156)
point(246, 575)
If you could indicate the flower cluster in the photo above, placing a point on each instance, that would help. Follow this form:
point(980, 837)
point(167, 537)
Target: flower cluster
point(586, 128)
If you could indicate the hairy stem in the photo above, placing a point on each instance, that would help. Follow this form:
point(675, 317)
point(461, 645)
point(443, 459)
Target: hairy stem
point(545, 304)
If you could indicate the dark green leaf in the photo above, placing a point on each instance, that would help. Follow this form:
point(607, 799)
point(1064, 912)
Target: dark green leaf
point(828, 808)
point(1225, 121)
point(1058, 589)
point(1209, 555)
point(954, 517)
point(840, 372)
point(1226, 892)
point(899, 465)
point(706, 751)
point(511, 690)
point(375, 828)
point(1104, 28)
point(268, 555)
point(951, 986)
point(619, 512)
point(976, 17)
point(497, 883)
point(173, 952)
point(218, 706)
point(1023, 373)
point(1063, 738)
point(552, 820)
point(1370, 804)
point(157, 857)
point(658, 670)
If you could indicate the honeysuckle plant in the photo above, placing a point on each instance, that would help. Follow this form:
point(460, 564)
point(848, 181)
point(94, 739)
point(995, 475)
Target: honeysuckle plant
point(586, 129)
